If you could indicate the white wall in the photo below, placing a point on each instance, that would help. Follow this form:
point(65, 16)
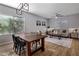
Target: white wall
point(30, 20)
point(65, 22)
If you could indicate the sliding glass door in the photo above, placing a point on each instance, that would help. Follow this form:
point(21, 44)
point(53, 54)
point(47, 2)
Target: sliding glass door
point(10, 24)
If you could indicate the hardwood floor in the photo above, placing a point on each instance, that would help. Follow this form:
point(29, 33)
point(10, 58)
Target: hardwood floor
point(50, 50)
point(63, 51)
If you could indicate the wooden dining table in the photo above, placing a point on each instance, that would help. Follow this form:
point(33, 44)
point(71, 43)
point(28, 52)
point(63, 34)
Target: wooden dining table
point(29, 38)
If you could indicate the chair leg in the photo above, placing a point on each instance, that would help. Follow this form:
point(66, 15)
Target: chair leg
point(15, 49)
point(19, 50)
point(22, 51)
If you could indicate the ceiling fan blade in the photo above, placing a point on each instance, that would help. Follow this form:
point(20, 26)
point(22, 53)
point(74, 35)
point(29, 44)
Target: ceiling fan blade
point(59, 15)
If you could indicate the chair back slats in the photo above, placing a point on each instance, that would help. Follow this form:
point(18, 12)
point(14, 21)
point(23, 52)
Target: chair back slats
point(18, 44)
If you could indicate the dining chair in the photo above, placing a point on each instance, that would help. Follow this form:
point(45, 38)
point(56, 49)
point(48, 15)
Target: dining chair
point(19, 44)
point(15, 46)
point(22, 46)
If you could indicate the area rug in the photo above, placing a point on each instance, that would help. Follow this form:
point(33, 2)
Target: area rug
point(66, 42)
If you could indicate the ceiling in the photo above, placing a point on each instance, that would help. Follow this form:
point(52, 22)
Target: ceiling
point(49, 10)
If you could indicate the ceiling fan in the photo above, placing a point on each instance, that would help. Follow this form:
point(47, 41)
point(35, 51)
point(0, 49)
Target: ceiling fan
point(57, 15)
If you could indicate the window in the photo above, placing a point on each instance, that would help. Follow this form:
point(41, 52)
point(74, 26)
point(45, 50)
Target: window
point(9, 24)
point(38, 23)
point(16, 25)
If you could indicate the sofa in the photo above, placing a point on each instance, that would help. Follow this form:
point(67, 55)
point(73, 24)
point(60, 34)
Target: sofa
point(71, 33)
point(74, 33)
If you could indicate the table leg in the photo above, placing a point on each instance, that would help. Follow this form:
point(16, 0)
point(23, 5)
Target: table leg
point(29, 49)
point(42, 44)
